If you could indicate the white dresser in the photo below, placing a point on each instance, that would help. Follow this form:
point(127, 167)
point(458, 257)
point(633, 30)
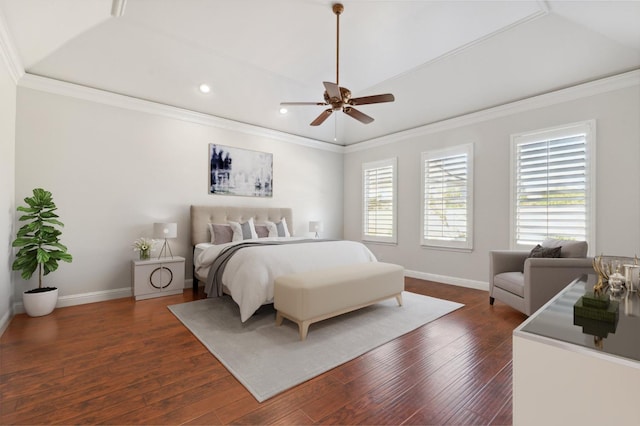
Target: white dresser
point(568, 371)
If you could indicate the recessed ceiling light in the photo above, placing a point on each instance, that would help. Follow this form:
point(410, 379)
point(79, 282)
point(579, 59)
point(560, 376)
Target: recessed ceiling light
point(204, 88)
point(283, 110)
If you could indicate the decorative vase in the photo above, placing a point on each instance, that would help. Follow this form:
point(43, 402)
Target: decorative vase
point(40, 301)
point(145, 254)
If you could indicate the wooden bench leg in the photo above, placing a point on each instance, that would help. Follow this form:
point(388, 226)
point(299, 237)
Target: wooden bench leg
point(303, 326)
point(399, 299)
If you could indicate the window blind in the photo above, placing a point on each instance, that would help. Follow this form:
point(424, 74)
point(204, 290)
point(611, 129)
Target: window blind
point(447, 197)
point(379, 201)
point(552, 188)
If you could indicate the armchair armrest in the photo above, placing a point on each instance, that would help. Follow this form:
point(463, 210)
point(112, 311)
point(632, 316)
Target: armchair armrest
point(546, 277)
point(506, 261)
point(560, 262)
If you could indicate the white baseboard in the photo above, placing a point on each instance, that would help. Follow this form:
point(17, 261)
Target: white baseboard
point(101, 296)
point(4, 321)
point(461, 282)
point(82, 298)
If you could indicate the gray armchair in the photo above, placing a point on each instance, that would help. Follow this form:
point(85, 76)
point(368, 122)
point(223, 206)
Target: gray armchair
point(526, 283)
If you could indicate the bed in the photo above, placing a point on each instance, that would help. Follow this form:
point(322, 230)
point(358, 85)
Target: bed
point(250, 272)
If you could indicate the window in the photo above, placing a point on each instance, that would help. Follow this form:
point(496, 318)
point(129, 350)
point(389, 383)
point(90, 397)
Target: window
point(447, 198)
point(379, 213)
point(553, 194)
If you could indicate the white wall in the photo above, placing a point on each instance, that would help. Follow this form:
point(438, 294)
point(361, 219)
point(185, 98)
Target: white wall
point(7, 206)
point(114, 171)
point(617, 115)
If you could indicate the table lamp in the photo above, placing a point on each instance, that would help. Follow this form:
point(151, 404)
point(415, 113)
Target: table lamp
point(165, 230)
point(315, 226)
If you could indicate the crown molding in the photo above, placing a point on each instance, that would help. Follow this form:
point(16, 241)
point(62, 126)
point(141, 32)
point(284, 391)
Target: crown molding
point(608, 84)
point(49, 85)
point(8, 52)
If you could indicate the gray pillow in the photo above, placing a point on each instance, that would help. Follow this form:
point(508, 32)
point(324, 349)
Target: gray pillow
point(262, 231)
point(246, 230)
point(220, 233)
point(280, 226)
point(539, 251)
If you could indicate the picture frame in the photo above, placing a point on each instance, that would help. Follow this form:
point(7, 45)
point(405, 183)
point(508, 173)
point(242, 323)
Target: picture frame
point(240, 172)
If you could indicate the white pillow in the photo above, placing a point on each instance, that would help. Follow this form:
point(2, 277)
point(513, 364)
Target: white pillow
point(279, 229)
point(243, 231)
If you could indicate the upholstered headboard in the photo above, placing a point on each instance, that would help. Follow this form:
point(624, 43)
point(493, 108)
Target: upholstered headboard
point(202, 216)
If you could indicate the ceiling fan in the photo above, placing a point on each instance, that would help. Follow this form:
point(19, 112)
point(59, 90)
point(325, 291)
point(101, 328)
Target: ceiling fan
point(339, 98)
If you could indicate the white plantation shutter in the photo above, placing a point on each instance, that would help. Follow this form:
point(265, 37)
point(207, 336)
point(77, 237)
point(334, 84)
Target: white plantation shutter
point(447, 197)
point(379, 213)
point(553, 195)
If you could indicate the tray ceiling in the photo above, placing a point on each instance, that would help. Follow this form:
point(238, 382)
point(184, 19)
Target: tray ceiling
point(440, 59)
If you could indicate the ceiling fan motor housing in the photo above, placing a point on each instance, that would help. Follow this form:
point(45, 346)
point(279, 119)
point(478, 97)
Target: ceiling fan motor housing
point(338, 103)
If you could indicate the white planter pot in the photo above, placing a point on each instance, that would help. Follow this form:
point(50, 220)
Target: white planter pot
point(40, 304)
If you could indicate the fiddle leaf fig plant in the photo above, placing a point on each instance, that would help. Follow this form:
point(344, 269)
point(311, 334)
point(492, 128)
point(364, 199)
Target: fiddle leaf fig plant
point(38, 239)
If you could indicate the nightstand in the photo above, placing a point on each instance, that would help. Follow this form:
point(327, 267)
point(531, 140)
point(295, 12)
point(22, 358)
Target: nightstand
point(157, 277)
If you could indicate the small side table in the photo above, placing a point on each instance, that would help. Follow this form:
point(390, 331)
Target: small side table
point(157, 277)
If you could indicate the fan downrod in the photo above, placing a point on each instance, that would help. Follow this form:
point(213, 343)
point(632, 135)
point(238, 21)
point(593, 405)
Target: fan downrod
point(338, 8)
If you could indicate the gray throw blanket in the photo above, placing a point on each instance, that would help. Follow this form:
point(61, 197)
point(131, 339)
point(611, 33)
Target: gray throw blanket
point(218, 265)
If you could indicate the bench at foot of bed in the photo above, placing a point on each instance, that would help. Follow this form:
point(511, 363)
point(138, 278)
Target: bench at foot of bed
point(313, 296)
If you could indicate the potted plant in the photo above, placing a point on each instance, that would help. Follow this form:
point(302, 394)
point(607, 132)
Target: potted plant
point(40, 249)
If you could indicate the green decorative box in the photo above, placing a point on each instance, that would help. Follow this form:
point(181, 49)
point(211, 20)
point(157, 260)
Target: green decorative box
point(591, 300)
point(595, 327)
point(609, 315)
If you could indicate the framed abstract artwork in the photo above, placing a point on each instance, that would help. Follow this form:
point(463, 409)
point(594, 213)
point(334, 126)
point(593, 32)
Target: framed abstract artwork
point(237, 171)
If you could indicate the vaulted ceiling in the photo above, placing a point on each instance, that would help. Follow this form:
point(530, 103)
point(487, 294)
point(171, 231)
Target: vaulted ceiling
point(441, 59)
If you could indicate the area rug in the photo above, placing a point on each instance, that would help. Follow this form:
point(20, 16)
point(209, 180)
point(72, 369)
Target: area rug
point(268, 360)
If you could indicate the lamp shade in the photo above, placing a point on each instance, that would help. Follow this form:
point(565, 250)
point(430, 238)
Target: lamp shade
point(315, 226)
point(165, 230)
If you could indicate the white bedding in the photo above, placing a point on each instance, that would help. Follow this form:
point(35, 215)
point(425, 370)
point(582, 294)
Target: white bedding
point(250, 273)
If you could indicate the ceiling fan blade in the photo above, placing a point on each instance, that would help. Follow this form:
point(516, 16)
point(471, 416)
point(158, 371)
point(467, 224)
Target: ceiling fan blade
point(332, 90)
point(323, 116)
point(375, 99)
point(360, 116)
point(302, 103)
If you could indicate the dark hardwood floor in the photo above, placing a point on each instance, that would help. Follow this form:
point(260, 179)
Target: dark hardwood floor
point(127, 362)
